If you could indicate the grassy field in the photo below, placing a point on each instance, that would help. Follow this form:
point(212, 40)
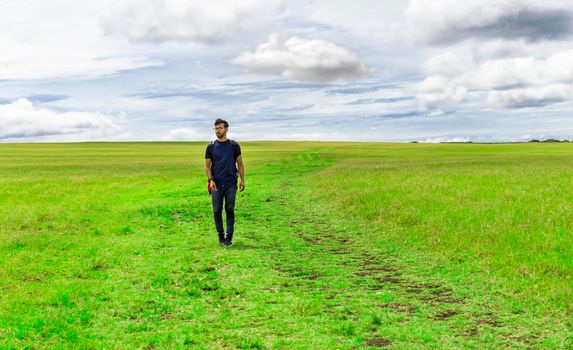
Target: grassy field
point(338, 246)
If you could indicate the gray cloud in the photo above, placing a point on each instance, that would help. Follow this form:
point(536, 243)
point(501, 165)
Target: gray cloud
point(524, 24)
point(536, 96)
point(447, 21)
point(528, 24)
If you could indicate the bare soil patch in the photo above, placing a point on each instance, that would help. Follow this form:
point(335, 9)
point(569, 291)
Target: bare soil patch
point(378, 342)
point(400, 307)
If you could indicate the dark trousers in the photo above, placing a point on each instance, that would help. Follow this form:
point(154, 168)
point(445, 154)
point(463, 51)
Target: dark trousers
point(228, 193)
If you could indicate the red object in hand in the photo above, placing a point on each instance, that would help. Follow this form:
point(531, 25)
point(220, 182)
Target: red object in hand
point(209, 187)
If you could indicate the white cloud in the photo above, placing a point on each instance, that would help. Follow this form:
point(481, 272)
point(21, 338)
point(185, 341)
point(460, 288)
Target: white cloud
point(535, 96)
point(509, 82)
point(373, 20)
point(449, 64)
point(445, 139)
point(22, 121)
point(502, 73)
point(501, 48)
point(437, 90)
point(61, 39)
point(46, 63)
point(301, 59)
point(511, 51)
point(449, 21)
point(187, 134)
point(189, 20)
point(290, 135)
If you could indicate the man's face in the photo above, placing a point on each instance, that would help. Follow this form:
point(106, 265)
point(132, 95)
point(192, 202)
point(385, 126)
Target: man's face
point(220, 130)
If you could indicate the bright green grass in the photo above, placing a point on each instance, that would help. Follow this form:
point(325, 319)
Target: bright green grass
point(508, 207)
point(338, 246)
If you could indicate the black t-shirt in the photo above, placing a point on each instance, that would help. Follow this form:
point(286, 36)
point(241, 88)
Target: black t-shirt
point(223, 156)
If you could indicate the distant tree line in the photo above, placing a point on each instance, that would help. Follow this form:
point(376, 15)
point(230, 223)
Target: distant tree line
point(550, 140)
point(534, 140)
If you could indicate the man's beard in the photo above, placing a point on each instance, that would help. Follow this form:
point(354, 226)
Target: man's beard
point(220, 135)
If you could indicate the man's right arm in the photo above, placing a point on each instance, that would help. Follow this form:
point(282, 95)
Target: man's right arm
point(208, 163)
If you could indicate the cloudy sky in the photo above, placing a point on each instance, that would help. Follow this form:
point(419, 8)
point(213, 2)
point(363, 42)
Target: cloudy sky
point(363, 70)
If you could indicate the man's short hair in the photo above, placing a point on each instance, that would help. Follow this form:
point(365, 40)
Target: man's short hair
point(221, 121)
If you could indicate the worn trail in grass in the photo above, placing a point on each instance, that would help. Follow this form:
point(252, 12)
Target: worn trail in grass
point(384, 294)
point(117, 250)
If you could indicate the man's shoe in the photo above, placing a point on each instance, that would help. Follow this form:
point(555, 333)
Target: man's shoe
point(222, 239)
point(229, 241)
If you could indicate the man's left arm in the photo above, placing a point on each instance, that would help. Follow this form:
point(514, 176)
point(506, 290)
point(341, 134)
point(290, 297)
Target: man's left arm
point(241, 169)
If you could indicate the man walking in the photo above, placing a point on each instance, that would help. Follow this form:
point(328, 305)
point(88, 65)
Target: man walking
point(222, 158)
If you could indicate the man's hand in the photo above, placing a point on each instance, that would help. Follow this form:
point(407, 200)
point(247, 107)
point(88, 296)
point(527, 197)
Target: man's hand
point(213, 186)
point(242, 186)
